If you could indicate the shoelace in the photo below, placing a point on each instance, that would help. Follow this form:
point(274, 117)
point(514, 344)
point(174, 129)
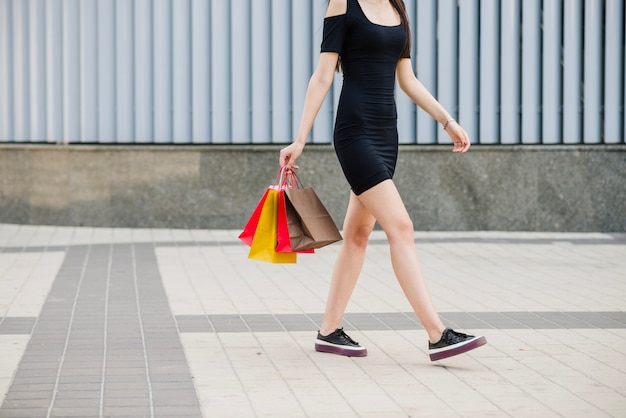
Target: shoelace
point(346, 336)
point(456, 337)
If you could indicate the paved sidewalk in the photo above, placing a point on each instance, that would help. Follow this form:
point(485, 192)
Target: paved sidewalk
point(98, 322)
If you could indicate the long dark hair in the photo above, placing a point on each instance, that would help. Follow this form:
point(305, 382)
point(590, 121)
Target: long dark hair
point(401, 8)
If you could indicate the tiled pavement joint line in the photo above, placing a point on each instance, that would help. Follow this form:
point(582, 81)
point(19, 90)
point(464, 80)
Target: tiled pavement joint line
point(105, 331)
point(610, 239)
point(66, 370)
point(142, 333)
point(384, 321)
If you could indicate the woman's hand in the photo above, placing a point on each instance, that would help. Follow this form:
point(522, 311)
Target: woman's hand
point(289, 154)
point(458, 136)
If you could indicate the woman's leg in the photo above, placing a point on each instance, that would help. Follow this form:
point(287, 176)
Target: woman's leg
point(385, 204)
point(357, 227)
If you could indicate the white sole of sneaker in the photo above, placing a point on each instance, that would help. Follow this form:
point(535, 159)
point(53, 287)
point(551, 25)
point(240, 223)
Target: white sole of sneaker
point(456, 349)
point(342, 350)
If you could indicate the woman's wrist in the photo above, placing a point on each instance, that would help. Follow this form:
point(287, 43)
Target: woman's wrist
point(447, 123)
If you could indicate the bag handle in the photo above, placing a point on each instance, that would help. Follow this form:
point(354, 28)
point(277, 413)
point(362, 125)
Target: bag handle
point(286, 179)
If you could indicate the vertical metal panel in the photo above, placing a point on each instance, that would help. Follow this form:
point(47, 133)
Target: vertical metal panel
point(447, 65)
point(162, 54)
point(37, 60)
point(181, 72)
point(124, 71)
point(54, 79)
point(221, 75)
point(71, 72)
point(572, 74)
point(261, 72)
point(593, 72)
point(106, 72)
point(21, 71)
point(614, 72)
point(468, 65)
point(200, 71)
point(406, 107)
point(88, 22)
point(301, 66)
point(6, 73)
point(241, 70)
point(551, 133)
point(510, 99)
point(489, 71)
point(143, 71)
point(426, 65)
point(281, 74)
point(531, 72)
point(323, 128)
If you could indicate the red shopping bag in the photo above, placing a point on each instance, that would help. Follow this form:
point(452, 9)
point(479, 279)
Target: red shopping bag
point(248, 231)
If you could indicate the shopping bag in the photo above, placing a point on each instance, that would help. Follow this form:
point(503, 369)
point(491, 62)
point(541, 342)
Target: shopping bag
point(317, 226)
point(248, 231)
point(263, 246)
point(288, 221)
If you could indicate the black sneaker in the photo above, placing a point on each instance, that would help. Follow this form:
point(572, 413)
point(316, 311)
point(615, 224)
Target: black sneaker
point(453, 343)
point(338, 342)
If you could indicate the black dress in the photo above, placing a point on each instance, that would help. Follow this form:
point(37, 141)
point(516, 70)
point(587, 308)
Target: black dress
point(366, 135)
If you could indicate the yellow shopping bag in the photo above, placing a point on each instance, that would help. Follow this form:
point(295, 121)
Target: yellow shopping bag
point(263, 246)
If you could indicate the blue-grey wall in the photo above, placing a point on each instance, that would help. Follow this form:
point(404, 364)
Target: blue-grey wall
point(235, 71)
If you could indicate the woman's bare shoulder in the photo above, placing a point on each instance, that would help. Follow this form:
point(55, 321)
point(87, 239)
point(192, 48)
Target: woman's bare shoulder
point(336, 7)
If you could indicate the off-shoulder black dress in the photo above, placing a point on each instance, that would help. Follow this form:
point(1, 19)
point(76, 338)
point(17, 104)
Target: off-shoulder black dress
point(366, 135)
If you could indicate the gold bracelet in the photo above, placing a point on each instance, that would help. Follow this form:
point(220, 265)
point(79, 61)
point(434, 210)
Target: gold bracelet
point(445, 125)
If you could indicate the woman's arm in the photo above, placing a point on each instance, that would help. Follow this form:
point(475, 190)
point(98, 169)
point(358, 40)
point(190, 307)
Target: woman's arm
point(422, 97)
point(319, 84)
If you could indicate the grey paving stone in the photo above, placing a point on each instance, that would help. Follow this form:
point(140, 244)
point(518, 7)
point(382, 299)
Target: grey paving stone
point(16, 325)
point(173, 397)
point(77, 402)
point(532, 320)
point(181, 385)
point(364, 321)
point(31, 387)
point(296, 322)
point(398, 320)
point(126, 393)
point(193, 324)
point(463, 320)
point(78, 387)
point(26, 403)
point(597, 320)
point(616, 316)
point(130, 411)
point(75, 412)
point(78, 394)
point(262, 323)
point(167, 411)
point(498, 320)
point(23, 413)
point(127, 402)
point(228, 323)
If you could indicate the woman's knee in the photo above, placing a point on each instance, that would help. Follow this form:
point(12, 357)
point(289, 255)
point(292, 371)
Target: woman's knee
point(358, 236)
point(400, 230)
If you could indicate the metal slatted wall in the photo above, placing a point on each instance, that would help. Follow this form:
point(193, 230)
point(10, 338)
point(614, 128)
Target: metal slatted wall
point(236, 71)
